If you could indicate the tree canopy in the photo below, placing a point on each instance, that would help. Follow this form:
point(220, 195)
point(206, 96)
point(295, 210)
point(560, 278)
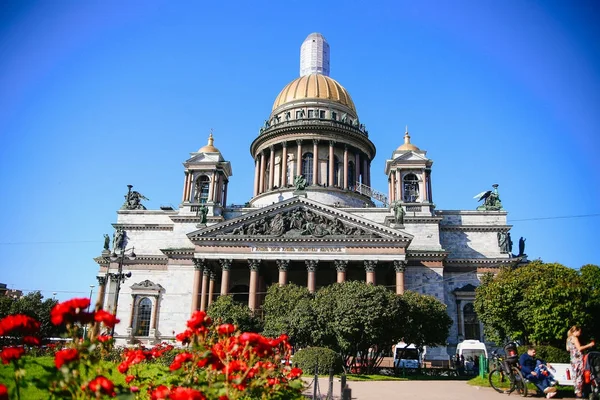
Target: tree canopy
point(33, 305)
point(537, 302)
point(227, 310)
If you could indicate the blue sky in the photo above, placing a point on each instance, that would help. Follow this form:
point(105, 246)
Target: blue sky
point(95, 95)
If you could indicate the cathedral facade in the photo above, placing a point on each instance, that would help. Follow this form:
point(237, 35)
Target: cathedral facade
point(313, 220)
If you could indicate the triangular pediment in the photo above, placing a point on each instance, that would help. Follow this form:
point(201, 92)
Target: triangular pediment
point(204, 158)
point(299, 219)
point(410, 156)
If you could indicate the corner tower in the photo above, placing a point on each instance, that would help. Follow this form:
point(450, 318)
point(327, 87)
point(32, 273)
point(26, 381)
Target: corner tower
point(313, 131)
point(409, 178)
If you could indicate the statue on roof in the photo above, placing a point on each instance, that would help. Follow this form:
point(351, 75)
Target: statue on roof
point(491, 200)
point(522, 246)
point(300, 182)
point(201, 212)
point(133, 200)
point(106, 241)
point(399, 213)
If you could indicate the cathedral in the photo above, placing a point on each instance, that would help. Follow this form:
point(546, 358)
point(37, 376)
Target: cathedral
point(313, 219)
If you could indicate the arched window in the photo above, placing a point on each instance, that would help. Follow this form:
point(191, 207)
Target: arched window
point(144, 312)
point(351, 175)
point(471, 322)
point(307, 167)
point(202, 185)
point(411, 188)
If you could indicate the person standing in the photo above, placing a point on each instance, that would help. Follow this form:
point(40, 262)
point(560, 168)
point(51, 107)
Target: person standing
point(575, 348)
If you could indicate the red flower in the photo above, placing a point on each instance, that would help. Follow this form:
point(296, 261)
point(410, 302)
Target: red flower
point(31, 340)
point(295, 373)
point(181, 393)
point(104, 338)
point(123, 367)
point(184, 337)
point(65, 356)
point(199, 322)
point(223, 397)
point(3, 392)
point(226, 329)
point(160, 393)
point(102, 385)
point(70, 311)
point(18, 322)
point(129, 378)
point(11, 353)
point(106, 318)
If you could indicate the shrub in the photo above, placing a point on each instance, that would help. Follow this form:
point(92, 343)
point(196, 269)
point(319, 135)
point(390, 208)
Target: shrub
point(549, 354)
point(307, 359)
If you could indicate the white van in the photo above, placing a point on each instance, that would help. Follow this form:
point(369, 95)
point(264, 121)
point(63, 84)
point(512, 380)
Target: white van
point(407, 356)
point(471, 349)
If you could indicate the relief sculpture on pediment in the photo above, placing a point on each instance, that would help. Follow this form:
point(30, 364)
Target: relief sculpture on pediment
point(299, 222)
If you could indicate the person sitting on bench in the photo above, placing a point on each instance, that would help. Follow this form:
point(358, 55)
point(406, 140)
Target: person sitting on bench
point(536, 371)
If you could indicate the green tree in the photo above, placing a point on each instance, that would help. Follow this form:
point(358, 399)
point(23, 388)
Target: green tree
point(358, 321)
point(288, 309)
point(427, 322)
point(33, 305)
point(537, 303)
point(227, 310)
point(590, 274)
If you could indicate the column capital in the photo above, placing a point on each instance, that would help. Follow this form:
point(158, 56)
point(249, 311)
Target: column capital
point(315, 141)
point(332, 142)
point(271, 147)
point(370, 265)
point(207, 271)
point(199, 263)
point(400, 265)
point(101, 280)
point(298, 142)
point(311, 265)
point(341, 265)
point(212, 275)
point(254, 265)
point(284, 144)
point(282, 265)
point(225, 264)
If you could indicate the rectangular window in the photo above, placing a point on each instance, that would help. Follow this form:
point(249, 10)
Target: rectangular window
point(311, 113)
point(322, 114)
point(334, 115)
point(298, 114)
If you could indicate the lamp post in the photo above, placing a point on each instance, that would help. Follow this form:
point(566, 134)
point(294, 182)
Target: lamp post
point(91, 290)
point(119, 277)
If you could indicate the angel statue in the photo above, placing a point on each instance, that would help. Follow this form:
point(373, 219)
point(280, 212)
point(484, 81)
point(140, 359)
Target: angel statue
point(491, 200)
point(300, 182)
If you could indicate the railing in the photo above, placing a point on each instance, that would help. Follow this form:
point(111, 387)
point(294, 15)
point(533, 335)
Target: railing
point(315, 121)
point(372, 193)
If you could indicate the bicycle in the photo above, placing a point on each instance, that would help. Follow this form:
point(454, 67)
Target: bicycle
point(505, 377)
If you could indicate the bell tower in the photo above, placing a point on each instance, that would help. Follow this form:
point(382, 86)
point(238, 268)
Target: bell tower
point(206, 178)
point(409, 178)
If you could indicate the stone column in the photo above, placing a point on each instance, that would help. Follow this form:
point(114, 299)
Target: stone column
point(365, 173)
point(211, 187)
point(422, 187)
point(282, 266)
point(357, 166)
point(345, 167)
point(370, 270)
point(283, 168)
point(203, 295)
point(340, 267)
point(399, 194)
point(190, 196)
point(271, 167)
point(185, 186)
point(101, 292)
point(225, 268)
point(299, 158)
point(225, 193)
point(311, 268)
point(256, 176)
point(400, 267)
point(198, 266)
point(155, 313)
point(315, 162)
point(211, 287)
point(392, 187)
point(254, 267)
point(134, 302)
point(429, 186)
point(331, 163)
point(261, 179)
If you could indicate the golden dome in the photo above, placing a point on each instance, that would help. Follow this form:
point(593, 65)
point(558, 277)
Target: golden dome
point(314, 86)
point(209, 148)
point(407, 144)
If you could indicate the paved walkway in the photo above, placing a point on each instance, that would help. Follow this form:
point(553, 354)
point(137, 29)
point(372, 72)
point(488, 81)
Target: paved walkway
point(415, 390)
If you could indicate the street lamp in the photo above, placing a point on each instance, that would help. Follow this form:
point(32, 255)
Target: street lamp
point(88, 310)
point(119, 277)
